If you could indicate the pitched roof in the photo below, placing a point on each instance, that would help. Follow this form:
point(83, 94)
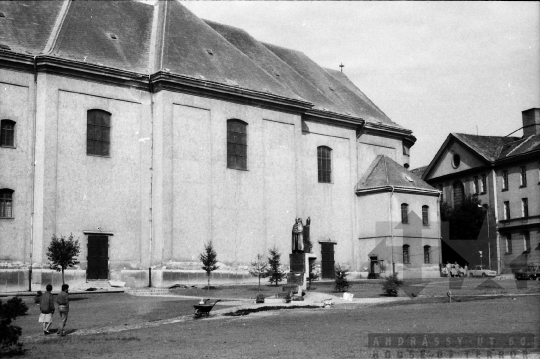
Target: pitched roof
point(385, 172)
point(419, 171)
point(144, 39)
point(491, 148)
point(488, 147)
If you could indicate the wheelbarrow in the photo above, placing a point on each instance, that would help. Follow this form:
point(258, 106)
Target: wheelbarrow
point(204, 309)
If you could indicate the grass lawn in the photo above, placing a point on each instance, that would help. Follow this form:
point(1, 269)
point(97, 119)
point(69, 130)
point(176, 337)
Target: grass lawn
point(339, 332)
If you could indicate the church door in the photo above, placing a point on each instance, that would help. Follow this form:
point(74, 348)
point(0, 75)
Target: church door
point(98, 257)
point(327, 260)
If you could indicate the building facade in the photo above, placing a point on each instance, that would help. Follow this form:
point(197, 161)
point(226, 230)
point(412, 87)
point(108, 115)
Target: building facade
point(504, 174)
point(157, 132)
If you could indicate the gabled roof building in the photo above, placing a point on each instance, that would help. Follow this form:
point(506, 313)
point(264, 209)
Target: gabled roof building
point(147, 132)
point(504, 173)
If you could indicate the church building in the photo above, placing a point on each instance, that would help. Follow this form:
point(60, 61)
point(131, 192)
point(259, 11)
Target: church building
point(146, 132)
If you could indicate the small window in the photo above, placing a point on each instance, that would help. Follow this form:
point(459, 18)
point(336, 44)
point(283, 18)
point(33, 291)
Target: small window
point(406, 255)
point(404, 213)
point(406, 150)
point(456, 160)
point(508, 243)
point(504, 180)
point(483, 184)
point(524, 207)
point(427, 257)
point(523, 177)
point(6, 203)
point(237, 145)
point(324, 164)
point(475, 185)
point(7, 133)
point(98, 133)
point(506, 210)
point(459, 193)
point(441, 188)
point(526, 241)
point(425, 215)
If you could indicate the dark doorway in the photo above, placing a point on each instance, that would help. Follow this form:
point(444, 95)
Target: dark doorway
point(327, 260)
point(374, 268)
point(98, 257)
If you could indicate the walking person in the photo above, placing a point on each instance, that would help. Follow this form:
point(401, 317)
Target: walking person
point(63, 308)
point(46, 306)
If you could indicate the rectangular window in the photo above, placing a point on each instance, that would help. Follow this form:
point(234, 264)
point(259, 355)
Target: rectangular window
point(442, 192)
point(406, 256)
point(508, 243)
point(475, 185)
point(524, 207)
point(98, 133)
point(6, 203)
point(504, 180)
point(526, 241)
point(405, 213)
point(324, 164)
point(425, 215)
point(427, 259)
point(523, 177)
point(506, 210)
point(483, 184)
point(236, 145)
point(406, 150)
point(7, 133)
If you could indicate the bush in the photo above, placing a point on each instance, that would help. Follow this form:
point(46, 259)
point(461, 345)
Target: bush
point(391, 285)
point(258, 268)
point(341, 282)
point(9, 333)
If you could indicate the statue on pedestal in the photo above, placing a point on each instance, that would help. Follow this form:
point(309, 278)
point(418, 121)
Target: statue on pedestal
point(307, 242)
point(298, 236)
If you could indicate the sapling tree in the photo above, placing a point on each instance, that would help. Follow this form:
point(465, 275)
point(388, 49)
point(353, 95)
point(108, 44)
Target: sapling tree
point(62, 253)
point(274, 271)
point(209, 260)
point(258, 268)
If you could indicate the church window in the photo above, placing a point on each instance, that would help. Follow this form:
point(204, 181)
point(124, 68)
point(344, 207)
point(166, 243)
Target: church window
point(98, 133)
point(6, 203)
point(237, 144)
point(7, 133)
point(324, 164)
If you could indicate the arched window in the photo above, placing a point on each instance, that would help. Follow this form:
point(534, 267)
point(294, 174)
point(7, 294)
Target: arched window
point(406, 255)
point(237, 144)
point(7, 133)
point(425, 215)
point(459, 193)
point(6, 203)
point(98, 133)
point(324, 164)
point(404, 213)
point(427, 250)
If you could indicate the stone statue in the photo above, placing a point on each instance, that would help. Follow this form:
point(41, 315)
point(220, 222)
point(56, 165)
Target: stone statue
point(307, 242)
point(297, 236)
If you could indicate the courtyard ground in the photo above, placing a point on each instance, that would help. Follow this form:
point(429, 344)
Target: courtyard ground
point(126, 326)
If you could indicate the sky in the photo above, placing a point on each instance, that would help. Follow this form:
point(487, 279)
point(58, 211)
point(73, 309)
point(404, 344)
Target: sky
point(432, 67)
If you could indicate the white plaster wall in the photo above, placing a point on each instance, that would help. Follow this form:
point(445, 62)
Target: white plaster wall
point(16, 102)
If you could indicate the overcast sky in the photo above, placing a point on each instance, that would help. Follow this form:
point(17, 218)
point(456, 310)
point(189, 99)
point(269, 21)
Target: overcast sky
point(432, 67)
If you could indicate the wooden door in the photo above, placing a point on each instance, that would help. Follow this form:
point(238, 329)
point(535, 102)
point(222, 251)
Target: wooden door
point(98, 257)
point(327, 260)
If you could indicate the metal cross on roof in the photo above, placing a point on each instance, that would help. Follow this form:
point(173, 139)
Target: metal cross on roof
point(342, 66)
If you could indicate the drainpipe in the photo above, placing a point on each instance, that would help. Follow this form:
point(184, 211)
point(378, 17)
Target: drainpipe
point(496, 218)
point(392, 232)
point(151, 89)
point(439, 227)
point(34, 114)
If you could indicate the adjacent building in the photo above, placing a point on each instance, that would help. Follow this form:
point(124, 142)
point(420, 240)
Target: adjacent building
point(504, 173)
point(146, 132)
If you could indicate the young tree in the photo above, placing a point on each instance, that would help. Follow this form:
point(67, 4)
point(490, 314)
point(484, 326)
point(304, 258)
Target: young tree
point(9, 333)
point(274, 267)
point(391, 285)
point(258, 268)
point(209, 260)
point(63, 253)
